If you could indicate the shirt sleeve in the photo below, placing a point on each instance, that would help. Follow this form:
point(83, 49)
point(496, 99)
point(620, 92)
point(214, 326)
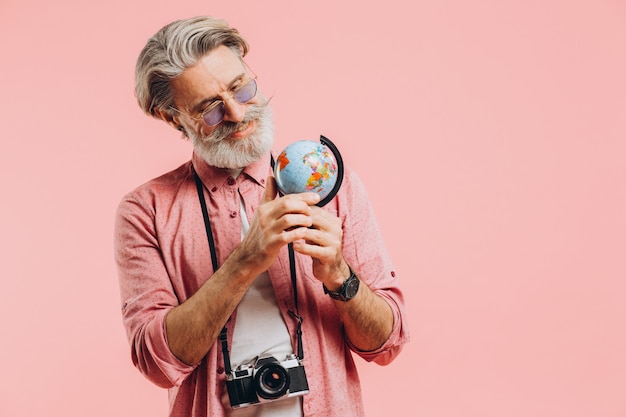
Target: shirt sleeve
point(147, 294)
point(365, 251)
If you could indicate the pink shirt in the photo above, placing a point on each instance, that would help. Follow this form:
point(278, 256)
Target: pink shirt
point(163, 258)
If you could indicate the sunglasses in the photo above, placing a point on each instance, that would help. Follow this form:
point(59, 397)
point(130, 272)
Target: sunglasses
point(215, 112)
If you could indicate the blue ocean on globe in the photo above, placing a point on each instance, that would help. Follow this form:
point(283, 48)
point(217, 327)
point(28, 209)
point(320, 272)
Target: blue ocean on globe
point(306, 166)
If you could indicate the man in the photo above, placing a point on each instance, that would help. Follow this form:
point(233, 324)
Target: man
point(176, 303)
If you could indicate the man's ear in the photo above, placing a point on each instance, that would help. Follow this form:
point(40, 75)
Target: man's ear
point(167, 118)
point(170, 120)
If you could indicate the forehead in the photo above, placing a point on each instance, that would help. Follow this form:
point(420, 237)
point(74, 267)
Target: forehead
point(211, 76)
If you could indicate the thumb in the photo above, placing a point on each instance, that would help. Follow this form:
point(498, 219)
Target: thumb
point(270, 190)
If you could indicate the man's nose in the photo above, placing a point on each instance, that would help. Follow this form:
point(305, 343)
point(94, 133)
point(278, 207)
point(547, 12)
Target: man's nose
point(234, 111)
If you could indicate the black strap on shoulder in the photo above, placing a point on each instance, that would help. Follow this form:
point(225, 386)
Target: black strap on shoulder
point(223, 337)
point(207, 223)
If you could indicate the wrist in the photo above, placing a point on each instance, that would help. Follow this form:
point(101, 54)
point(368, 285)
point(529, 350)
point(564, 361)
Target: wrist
point(347, 290)
point(342, 274)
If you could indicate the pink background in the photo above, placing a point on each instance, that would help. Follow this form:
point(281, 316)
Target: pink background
point(491, 135)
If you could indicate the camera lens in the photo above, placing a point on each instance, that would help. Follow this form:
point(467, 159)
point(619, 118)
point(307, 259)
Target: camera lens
point(272, 381)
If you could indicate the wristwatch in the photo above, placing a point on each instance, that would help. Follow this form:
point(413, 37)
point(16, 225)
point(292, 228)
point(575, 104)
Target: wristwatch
point(348, 289)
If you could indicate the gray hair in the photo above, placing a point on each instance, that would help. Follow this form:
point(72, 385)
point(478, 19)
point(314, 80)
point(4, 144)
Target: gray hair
point(173, 49)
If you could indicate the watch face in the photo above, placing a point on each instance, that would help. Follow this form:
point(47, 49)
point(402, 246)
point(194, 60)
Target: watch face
point(352, 287)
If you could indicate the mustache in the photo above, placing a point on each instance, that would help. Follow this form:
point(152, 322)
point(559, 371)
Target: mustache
point(226, 128)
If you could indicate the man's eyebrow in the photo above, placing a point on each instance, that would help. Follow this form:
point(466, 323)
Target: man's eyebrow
point(207, 101)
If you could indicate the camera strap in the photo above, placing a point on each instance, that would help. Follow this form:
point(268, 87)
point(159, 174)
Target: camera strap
point(292, 271)
point(223, 337)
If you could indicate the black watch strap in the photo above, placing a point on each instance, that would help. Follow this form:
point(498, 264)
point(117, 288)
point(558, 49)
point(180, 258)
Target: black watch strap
point(348, 289)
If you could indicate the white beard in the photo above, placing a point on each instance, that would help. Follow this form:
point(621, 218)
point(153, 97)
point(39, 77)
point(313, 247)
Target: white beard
point(218, 150)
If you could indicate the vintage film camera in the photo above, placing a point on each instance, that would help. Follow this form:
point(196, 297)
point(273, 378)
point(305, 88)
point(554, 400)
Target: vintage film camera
point(266, 380)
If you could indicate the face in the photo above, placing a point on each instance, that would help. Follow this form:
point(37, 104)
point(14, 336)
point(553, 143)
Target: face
point(245, 134)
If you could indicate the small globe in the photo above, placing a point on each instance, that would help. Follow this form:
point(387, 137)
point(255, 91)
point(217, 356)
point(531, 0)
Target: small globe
point(306, 166)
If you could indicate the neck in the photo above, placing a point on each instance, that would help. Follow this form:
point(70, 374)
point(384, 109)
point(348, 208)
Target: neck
point(234, 172)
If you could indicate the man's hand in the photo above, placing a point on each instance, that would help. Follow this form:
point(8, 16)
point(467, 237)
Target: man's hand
point(322, 242)
point(277, 222)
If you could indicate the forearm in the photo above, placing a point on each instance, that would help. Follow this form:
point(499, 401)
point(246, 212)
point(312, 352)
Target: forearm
point(367, 319)
point(194, 326)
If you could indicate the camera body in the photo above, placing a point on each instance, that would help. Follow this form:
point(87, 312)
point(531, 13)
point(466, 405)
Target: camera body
point(266, 380)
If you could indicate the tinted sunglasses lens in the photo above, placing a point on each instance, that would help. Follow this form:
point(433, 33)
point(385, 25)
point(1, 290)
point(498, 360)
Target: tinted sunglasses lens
point(215, 115)
point(246, 92)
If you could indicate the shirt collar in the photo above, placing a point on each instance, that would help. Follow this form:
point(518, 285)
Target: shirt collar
point(214, 178)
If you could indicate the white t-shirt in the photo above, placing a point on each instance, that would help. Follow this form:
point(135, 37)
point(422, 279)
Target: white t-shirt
point(260, 330)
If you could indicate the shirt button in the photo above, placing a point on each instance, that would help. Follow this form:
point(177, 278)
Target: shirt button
point(220, 370)
point(214, 189)
point(233, 214)
point(231, 181)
